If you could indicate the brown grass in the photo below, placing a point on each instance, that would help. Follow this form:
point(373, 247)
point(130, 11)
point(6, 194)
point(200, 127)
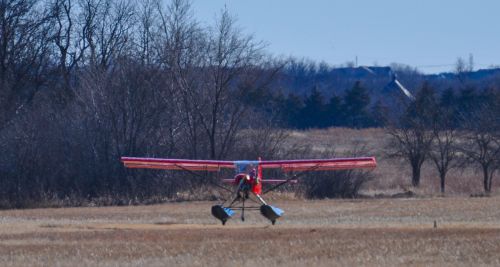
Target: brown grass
point(319, 233)
point(392, 175)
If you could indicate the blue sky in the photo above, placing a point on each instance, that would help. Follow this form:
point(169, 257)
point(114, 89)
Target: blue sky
point(426, 34)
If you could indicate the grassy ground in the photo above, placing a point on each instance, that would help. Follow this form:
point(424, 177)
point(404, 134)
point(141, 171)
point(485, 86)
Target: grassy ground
point(319, 233)
point(392, 175)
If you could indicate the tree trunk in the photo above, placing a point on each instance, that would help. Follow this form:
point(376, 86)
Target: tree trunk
point(486, 182)
point(442, 177)
point(415, 179)
point(490, 181)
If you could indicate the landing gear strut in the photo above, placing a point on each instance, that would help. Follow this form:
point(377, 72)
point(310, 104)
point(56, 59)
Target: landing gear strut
point(224, 213)
point(243, 210)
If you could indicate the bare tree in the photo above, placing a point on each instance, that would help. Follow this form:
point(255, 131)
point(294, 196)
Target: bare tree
point(211, 76)
point(263, 139)
point(24, 55)
point(462, 68)
point(470, 63)
point(412, 137)
point(230, 75)
point(444, 148)
point(123, 113)
point(413, 145)
point(106, 26)
point(443, 151)
point(147, 28)
point(482, 140)
point(68, 53)
point(179, 46)
point(134, 80)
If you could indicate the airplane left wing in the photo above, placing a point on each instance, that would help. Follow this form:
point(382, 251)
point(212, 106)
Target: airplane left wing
point(176, 164)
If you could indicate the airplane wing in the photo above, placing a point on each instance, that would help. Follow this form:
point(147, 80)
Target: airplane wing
point(320, 164)
point(285, 165)
point(176, 164)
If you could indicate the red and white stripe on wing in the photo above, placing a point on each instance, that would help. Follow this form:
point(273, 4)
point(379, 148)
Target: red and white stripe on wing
point(176, 164)
point(321, 164)
point(286, 165)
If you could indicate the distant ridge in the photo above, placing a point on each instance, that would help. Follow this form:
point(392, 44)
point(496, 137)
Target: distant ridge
point(380, 80)
point(475, 75)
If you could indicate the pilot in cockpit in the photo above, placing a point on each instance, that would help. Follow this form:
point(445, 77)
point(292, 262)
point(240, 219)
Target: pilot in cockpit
point(247, 181)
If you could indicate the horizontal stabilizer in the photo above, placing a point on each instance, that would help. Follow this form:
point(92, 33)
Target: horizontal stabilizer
point(279, 181)
point(266, 181)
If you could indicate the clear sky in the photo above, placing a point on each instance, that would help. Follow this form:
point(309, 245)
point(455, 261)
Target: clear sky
point(427, 34)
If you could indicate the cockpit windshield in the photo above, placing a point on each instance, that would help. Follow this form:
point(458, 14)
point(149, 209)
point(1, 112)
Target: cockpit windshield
point(245, 166)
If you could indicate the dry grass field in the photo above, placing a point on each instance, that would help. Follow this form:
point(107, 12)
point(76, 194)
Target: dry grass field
point(315, 233)
point(393, 175)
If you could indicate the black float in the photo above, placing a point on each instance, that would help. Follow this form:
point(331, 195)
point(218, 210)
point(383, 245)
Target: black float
point(271, 213)
point(222, 213)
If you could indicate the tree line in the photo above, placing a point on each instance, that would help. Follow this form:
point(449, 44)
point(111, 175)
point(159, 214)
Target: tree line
point(84, 82)
point(451, 131)
point(353, 109)
point(450, 128)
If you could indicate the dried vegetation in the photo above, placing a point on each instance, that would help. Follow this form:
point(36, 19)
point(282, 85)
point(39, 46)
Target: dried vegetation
point(320, 233)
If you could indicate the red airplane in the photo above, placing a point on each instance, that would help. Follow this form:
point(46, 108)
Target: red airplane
point(248, 180)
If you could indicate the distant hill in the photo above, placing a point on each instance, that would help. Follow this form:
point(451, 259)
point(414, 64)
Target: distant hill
point(481, 74)
point(379, 81)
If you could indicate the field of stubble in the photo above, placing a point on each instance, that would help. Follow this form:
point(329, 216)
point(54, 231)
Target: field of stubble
point(316, 233)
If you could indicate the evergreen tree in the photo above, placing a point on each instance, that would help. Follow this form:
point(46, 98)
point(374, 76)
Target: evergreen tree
point(355, 108)
point(276, 108)
point(448, 107)
point(448, 98)
point(466, 101)
point(334, 111)
point(292, 111)
point(379, 114)
point(422, 112)
point(313, 114)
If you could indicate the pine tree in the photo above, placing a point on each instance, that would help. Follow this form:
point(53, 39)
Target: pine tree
point(334, 111)
point(379, 114)
point(292, 111)
point(355, 108)
point(424, 110)
point(313, 113)
point(448, 108)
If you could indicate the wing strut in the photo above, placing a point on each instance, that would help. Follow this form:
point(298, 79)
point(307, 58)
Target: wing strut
point(291, 178)
point(199, 175)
